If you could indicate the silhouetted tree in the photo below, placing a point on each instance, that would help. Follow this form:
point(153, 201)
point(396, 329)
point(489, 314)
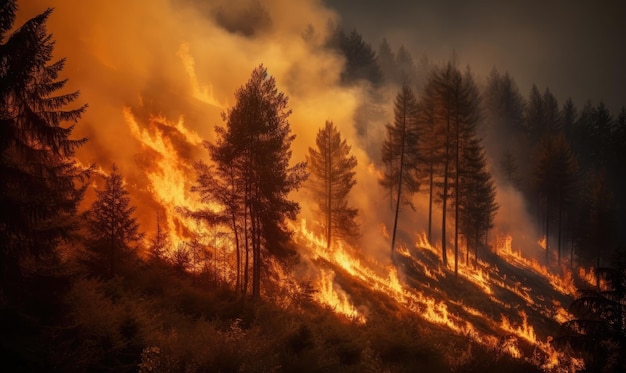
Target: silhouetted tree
point(40, 181)
point(387, 62)
point(555, 177)
point(534, 116)
point(452, 100)
point(220, 185)
point(440, 93)
point(598, 144)
point(466, 109)
point(360, 58)
point(476, 196)
point(599, 219)
point(111, 224)
point(405, 67)
point(160, 242)
point(599, 328)
point(399, 154)
point(332, 169)
point(258, 137)
point(502, 127)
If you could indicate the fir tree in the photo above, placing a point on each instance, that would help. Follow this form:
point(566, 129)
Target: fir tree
point(399, 154)
point(477, 194)
point(111, 225)
point(258, 138)
point(40, 181)
point(332, 170)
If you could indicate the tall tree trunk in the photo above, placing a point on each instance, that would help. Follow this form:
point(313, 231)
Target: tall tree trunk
point(395, 220)
point(559, 233)
point(430, 202)
point(237, 253)
point(329, 191)
point(571, 253)
point(256, 280)
point(246, 232)
point(547, 222)
point(444, 254)
point(456, 191)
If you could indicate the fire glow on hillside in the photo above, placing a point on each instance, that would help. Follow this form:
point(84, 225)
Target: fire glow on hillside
point(169, 182)
point(171, 105)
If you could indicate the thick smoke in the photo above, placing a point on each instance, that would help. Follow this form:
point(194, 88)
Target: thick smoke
point(171, 67)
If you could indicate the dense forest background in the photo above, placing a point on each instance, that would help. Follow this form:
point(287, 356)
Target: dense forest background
point(165, 232)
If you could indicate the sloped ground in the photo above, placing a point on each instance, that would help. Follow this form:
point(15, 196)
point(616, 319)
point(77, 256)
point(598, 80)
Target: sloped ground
point(510, 310)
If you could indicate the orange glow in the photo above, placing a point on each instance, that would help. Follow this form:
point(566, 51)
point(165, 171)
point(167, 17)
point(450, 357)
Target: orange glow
point(170, 177)
point(563, 284)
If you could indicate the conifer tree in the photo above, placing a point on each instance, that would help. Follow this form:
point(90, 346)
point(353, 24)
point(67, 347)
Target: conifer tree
point(332, 177)
point(399, 154)
point(160, 242)
point(451, 102)
point(361, 63)
point(502, 127)
point(257, 137)
point(387, 62)
point(111, 224)
point(40, 181)
point(554, 180)
point(477, 194)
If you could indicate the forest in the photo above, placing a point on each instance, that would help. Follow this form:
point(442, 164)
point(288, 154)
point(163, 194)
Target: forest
point(324, 204)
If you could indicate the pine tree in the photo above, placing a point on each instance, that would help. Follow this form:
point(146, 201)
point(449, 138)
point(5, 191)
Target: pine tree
point(332, 169)
point(399, 153)
point(439, 96)
point(555, 178)
point(111, 225)
point(477, 194)
point(466, 116)
point(39, 178)
point(361, 63)
point(451, 102)
point(599, 327)
point(387, 62)
point(258, 136)
point(160, 242)
point(221, 185)
point(406, 67)
point(502, 129)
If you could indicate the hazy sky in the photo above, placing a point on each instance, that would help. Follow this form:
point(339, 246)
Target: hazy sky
point(576, 48)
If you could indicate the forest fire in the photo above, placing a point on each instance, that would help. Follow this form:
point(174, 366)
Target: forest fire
point(563, 284)
point(269, 191)
point(432, 310)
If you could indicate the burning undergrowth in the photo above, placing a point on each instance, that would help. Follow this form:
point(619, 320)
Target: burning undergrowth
point(514, 307)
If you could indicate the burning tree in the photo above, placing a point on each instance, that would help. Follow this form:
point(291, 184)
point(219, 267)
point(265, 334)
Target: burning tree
point(332, 168)
point(253, 176)
point(451, 103)
point(399, 154)
point(476, 195)
point(599, 329)
point(111, 224)
point(39, 191)
point(160, 242)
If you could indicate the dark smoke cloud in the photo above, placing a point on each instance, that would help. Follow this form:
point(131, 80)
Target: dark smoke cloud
point(573, 47)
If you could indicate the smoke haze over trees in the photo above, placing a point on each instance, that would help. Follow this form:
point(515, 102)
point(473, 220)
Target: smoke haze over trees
point(175, 226)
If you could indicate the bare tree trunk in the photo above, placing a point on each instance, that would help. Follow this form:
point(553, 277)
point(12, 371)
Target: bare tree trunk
point(395, 220)
point(444, 204)
point(547, 229)
point(456, 191)
point(559, 233)
point(430, 201)
point(329, 190)
point(246, 233)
